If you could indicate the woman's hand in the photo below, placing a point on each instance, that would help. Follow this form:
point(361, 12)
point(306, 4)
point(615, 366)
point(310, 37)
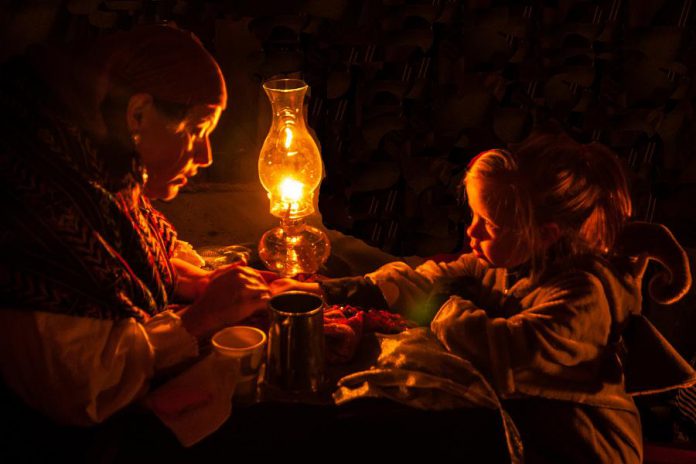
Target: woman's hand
point(233, 293)
point(192, 281)
point(287, 285)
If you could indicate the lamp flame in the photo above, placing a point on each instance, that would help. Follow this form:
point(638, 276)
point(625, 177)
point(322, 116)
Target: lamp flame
point(291, 190)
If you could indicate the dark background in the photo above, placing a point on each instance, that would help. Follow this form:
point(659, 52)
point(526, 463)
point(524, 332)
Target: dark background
point(404, 93)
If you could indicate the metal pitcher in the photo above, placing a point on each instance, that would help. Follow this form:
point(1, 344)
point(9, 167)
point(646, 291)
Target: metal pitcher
point(296, 342)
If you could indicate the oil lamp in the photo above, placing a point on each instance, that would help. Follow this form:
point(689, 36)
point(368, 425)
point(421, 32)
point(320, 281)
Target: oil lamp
point(290, 169)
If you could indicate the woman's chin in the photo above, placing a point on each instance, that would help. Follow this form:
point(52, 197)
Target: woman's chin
point(165, 192)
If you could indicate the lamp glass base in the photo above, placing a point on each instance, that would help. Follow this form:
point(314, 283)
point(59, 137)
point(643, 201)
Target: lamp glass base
point(294, 248)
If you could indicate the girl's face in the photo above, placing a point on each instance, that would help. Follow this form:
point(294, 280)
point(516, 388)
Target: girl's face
point(172, 151)
point(492, 234)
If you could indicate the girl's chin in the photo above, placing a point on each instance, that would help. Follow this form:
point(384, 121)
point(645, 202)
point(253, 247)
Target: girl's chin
point(480, 256)
point(485, 260)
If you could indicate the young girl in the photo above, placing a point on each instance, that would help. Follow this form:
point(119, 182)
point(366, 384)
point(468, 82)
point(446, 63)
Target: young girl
point(539, 304)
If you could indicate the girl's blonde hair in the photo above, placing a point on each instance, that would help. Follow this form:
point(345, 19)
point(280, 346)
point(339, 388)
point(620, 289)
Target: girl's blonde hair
point(554, 179)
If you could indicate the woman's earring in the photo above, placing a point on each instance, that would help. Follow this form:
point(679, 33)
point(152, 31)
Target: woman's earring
point(136, 139)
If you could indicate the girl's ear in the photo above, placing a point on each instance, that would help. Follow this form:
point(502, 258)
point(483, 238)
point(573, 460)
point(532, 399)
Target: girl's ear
point(550, 233)
point(139, 105)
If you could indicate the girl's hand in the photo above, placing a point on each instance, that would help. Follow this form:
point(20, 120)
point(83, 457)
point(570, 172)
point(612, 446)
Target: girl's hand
point(233, 293)
point(286, 285)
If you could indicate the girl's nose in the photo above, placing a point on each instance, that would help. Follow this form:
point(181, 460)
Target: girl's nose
point(470, 230)
point(474, 229)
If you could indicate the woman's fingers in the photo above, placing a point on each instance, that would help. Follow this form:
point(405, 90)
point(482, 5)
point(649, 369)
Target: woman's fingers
point(241, 277)
point(256, 288)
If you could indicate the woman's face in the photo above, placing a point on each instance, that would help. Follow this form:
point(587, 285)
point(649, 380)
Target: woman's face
point(173, 150)
point(492, 234)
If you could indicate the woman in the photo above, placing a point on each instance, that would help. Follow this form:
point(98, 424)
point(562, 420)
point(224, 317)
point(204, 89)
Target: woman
point(88, 272)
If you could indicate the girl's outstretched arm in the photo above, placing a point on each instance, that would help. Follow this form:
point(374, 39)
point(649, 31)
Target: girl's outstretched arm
point(416, 293)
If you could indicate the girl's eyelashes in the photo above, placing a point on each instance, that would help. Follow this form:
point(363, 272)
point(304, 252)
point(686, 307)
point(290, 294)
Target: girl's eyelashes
point(486, 222)
point(492, 228)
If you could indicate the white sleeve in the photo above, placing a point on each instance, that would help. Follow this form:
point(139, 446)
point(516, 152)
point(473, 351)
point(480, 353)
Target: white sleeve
point(406, 290)
point(185, 252)
point(79, 370)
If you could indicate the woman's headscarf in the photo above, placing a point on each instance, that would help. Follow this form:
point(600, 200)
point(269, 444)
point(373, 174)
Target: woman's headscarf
point(170, 64)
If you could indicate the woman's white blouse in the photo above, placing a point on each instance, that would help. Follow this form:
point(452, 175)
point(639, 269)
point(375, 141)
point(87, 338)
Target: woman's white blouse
point(80, 370)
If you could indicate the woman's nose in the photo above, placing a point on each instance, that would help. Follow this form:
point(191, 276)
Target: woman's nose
point(203, 155)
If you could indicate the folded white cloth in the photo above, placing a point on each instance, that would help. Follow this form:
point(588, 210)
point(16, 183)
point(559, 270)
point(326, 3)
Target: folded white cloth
point(197, 402)
point(413, 368)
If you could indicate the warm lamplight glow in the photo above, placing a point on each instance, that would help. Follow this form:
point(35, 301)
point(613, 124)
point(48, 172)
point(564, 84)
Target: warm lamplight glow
point(291, 191)
point(290, 169)
point(288, 137)
point(290, 166)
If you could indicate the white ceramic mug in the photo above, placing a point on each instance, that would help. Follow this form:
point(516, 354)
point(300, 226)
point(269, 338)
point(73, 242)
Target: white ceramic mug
point(247, 344)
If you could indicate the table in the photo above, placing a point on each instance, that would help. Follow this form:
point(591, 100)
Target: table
point(363, 430)
point(311, 432)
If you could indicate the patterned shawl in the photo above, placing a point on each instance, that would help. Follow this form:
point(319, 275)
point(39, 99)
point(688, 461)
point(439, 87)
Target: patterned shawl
point(77, 237)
